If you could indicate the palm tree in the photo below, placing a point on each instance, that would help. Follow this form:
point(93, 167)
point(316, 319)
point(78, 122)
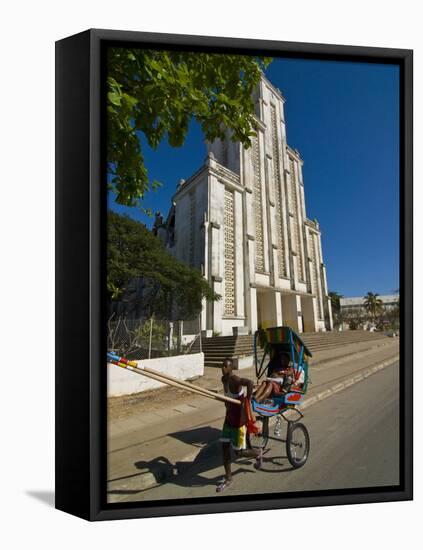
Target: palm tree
point(335, 299)
point(372, 304)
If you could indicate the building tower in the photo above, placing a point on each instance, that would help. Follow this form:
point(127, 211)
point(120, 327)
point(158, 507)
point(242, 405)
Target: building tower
point(241, 220)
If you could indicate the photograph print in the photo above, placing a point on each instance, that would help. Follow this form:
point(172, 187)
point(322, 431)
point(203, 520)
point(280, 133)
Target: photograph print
point(253, 275)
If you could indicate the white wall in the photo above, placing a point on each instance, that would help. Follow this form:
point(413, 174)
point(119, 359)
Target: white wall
point(124, 382)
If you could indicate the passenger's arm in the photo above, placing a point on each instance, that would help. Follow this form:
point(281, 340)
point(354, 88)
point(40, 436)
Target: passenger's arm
point(249, 385)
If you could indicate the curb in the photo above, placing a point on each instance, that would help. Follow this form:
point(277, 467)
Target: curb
point(348, 382)
point(159, 474)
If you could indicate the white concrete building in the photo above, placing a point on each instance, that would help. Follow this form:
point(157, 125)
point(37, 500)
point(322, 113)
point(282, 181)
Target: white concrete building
point(241, 220)
point(356, 304)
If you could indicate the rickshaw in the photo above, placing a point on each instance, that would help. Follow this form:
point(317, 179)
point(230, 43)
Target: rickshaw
point(274, 341)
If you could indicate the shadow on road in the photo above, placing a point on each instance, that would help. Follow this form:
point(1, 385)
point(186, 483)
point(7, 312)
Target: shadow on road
point(276, 461)
point(160, 467)
point(197, 437)
point(194, 473)
point(188, 473)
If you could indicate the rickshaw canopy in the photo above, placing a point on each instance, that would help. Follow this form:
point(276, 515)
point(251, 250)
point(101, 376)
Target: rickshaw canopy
point(280, 339)
point(285, 335)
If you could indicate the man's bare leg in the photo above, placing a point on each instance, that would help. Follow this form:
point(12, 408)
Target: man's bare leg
point(252, 453)
point(226, 452)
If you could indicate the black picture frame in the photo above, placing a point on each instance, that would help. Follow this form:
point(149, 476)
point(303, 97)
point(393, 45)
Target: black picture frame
point(80, 267)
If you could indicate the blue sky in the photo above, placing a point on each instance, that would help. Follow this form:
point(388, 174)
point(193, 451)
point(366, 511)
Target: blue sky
point(344, 120)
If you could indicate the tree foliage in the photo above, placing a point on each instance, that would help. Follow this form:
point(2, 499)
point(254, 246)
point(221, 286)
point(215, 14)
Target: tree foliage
point(158, 93)
point(170, 288)
point(335, 301)
point(373, 304)
point(336, 307)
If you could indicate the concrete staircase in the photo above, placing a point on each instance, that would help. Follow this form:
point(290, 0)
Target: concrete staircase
point(320, 341)
point(217, 348)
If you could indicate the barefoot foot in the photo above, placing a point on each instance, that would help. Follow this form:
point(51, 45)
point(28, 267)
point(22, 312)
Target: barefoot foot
point(222, 486)
point(259, 461)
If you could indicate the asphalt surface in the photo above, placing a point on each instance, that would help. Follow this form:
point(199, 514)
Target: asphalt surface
point(354, 443)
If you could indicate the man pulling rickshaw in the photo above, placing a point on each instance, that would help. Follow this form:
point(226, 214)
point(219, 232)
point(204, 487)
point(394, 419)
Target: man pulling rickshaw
point(282, 375)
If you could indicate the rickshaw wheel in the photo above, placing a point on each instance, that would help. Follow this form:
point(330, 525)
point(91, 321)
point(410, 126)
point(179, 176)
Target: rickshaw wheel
point(297, 444)
point(260, 440)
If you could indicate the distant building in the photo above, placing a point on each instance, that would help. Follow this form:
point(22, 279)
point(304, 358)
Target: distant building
point(241, 220)
point(353, 308)
point(357, 304)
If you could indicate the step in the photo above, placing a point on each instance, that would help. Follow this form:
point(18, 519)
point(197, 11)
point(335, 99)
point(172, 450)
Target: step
point(217, 348)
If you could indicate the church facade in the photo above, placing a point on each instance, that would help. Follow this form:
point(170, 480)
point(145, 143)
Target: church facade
point(241, 220)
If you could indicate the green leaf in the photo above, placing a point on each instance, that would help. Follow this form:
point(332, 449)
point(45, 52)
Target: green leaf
point(114, 98)
point(158, 92)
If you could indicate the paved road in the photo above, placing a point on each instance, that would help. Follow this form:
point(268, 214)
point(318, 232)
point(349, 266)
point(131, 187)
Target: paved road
point(354, 443)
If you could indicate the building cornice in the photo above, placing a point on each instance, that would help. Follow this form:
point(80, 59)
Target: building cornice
point(190, 182)
point(312, 225)
point(260, 124)
point(213, 167)
point(226, 176)
point(295, 154)
point(275, 90)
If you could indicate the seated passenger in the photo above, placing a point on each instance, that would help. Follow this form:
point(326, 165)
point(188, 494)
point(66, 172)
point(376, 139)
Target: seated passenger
point(279, 381)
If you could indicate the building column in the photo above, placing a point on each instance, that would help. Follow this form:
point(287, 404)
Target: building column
point(252, 309)
point(270, 308)
point(299, 220)
point(330, 318)
point(309, 310)
point(216, 246)
point(278, 309)
point(205, 272)
point(327, 301)
point(291, 307)
point(217, 306)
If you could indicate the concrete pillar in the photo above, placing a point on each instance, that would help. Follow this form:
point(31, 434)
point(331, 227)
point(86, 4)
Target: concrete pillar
point(217, 306)
point(269, 304)
point(278, 308)
point(299, 314)
point(309, 311)
point(216, 219)
point(327, 301)
point(291, 306)
point(252, 310)
point(300, 223)
point(207, 275)
point(203, 320)
point(264, 204)
point(170, 335)
point(330, 318)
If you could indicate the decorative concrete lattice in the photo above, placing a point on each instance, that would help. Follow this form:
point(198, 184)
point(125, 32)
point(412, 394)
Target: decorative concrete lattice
point(192, 229)
point(296, 224)
point(258, 206)
point(278, 209)
point(229, 244)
